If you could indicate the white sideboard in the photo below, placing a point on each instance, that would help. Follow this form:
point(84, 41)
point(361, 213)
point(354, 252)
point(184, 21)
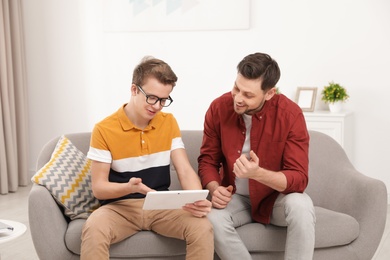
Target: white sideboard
point(337, 125)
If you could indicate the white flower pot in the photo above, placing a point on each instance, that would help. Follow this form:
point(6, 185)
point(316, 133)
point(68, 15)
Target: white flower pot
point(336, 107)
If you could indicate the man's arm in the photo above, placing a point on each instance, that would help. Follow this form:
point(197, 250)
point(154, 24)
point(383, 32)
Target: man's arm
point(293, 175)
point(210, 161)
point(249, 168)
point(210, 158)
point(104, 189)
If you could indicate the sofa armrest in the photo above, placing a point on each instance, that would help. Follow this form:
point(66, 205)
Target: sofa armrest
point(47, 224)
point(335, 184)
point(366, 201)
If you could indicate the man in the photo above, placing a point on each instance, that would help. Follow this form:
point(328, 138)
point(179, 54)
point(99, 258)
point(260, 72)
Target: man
point(131, 152)
point(254, 161)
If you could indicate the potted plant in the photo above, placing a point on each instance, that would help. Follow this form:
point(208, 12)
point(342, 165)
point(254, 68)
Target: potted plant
point(334, 94)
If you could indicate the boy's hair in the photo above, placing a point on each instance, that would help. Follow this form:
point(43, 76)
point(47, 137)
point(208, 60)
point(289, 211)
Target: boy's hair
point(260, 65)
point(151, 67)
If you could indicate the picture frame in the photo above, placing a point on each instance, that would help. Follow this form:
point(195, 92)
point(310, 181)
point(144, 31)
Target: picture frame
point(306, 98)
point(160, 16)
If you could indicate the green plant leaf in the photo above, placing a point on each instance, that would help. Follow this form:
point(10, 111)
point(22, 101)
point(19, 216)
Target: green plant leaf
point(334, 92)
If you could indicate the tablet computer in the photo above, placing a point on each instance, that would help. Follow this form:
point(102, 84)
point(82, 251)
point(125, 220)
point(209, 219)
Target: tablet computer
point(173, 199)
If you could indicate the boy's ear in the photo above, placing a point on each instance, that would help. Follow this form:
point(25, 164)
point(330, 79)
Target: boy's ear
point(133, 89)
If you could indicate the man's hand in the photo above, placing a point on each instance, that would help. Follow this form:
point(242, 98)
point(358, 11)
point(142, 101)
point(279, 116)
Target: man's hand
point(246, 168)
point(221, 196)
point(136, 186)
point(250, 169)
point(199, 208)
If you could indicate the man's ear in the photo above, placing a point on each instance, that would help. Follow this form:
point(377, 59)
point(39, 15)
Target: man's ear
point(270, 93)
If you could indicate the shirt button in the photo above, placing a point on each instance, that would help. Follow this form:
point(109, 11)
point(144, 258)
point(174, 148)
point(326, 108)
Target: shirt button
point(243, 133)
point(143, 141)
point(239, 151)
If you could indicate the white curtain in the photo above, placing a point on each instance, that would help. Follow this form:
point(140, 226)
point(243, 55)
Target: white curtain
point(13, 99)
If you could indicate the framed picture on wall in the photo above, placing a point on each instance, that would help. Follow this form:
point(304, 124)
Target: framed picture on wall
point(306, 98)
point(170, 15)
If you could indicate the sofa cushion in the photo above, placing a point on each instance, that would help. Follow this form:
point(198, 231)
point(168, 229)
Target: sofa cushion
point(332, 229)
point(67, 177)
point(158, 246)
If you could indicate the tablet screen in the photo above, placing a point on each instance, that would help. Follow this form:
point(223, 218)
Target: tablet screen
point(173, 199)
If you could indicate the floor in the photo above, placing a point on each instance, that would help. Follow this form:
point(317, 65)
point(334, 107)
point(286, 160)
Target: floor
point(14, 207)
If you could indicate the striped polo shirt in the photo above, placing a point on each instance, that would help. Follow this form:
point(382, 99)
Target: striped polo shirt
point(134, 152)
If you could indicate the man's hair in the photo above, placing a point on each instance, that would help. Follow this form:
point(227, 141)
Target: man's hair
point(150, 67)
point(260, 65)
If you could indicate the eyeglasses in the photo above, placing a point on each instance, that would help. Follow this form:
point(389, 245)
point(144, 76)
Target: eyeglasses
point(152, 99)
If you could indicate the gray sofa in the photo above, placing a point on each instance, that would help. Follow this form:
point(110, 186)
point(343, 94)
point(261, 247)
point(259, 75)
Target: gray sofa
point(350, 208)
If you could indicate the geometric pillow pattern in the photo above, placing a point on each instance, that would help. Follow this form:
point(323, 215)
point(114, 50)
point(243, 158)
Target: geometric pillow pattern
point(67, 176)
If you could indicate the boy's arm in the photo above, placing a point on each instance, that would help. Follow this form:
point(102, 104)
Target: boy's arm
point(104, 189)
point(188, 178)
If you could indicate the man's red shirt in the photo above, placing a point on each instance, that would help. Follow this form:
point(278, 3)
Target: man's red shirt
point(278, 136)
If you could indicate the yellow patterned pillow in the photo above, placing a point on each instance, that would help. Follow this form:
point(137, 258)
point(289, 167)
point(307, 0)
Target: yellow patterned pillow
point(67, 176)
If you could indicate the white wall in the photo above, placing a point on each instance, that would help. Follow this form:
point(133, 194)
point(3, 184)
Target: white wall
point(78, 74)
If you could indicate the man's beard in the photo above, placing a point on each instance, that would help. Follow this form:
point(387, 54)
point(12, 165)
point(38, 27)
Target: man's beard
point(255, 110)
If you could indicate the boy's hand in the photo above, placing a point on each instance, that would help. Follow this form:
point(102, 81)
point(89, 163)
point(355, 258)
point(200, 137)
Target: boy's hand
point(136, 186)
point(199, 208)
